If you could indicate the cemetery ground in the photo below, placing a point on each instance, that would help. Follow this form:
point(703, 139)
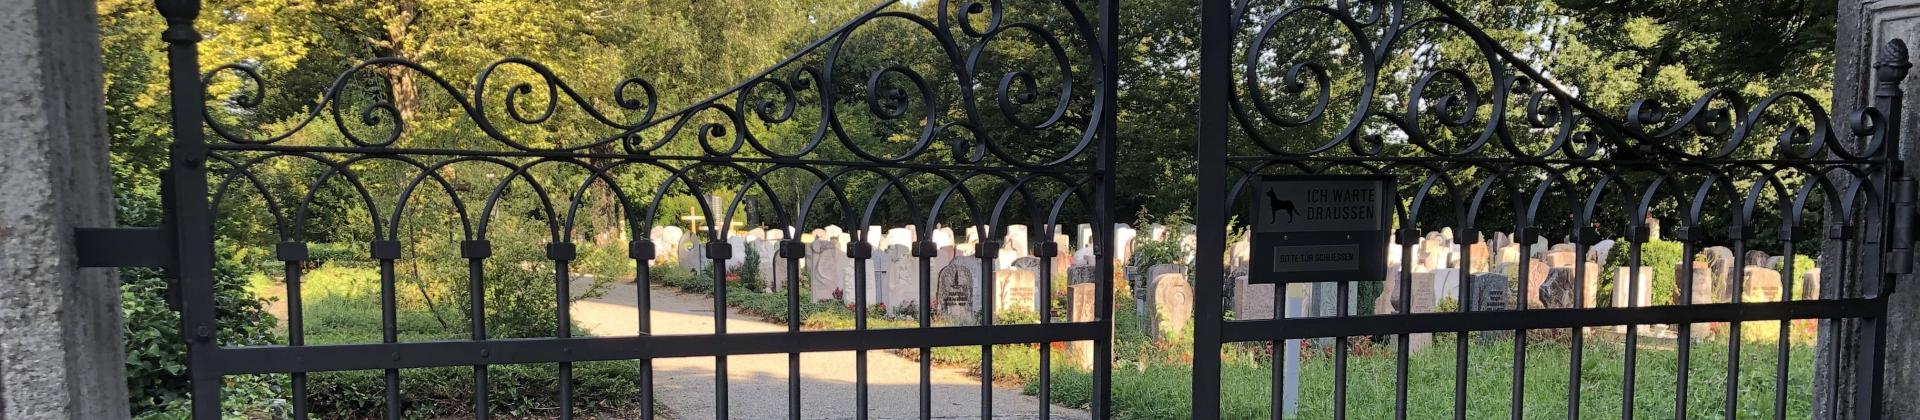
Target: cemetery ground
point(1150, 379)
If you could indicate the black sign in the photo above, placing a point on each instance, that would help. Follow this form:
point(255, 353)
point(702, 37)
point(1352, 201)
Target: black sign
point(1318, 228)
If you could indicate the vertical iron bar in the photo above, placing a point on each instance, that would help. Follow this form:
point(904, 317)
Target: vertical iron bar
point(1404, 304)
point(563, 327)
point(1575, 349)
point(926, 321)
point(643, 279)
point(296, 336)
point(1216, 74)
point(986, 318)
point(719, 323)
point(1044, 305)
point(1517, 410)
point(1631, 361)
point(1731, 409)
point(1460, 340)
point(1102, 401)
point(858, 249)
point(1785, 338)
point(793, 323)
point(1684, 353)
point(477, 329)
point(389, 333)
point(1279, 397)
point(186, 211)
point(1340, 353)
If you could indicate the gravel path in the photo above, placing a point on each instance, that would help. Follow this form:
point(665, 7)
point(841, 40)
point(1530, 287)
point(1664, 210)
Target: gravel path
point(757, 384)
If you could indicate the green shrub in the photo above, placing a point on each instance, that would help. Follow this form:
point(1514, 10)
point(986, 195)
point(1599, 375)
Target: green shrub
point(1660, 256)
point(157, 381)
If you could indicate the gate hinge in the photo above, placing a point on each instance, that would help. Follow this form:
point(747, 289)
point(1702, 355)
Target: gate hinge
point(1901, 235)
point(123, 247)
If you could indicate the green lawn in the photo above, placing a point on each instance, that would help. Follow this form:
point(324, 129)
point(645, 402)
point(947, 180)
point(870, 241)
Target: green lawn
point(1151, 379)
point(1161, 390)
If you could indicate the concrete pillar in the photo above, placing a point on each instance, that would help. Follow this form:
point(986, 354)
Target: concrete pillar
point(1862, 30)
point(61, 355)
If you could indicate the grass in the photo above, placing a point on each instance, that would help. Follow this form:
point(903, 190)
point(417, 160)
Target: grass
point(1152, 379)
point(342, 307)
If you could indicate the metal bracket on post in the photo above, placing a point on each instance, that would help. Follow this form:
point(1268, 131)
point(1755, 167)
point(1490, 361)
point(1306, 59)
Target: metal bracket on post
point(1901, 238)
point(123, 247)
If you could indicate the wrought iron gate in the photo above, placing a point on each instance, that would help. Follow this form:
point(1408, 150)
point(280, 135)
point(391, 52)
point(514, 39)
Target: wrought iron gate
point(1285, 90)
point(1489, 143)
point(988, 142)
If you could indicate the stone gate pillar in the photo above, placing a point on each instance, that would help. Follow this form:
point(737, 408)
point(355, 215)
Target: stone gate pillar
point(61, 355)
point(1862, 30)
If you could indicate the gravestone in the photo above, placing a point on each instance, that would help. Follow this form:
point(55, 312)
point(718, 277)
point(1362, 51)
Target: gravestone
point(1031, 264)
point(692, 259)
point(1062, 256)
point(1590, 287)
point(1083, 235)
point(1757, 257)
point(875, 271)
point(1082, 274)
point(1623, 287)
point(1490, 293)
point(956, 286)
point(1122, 244)
point(1501, 240)
point(1171, 300)
point(1013, 290)
point(1446, 285)
point(765, 252)
point(1702, 281)
point(1080, 308)
point(973, 272)
point(1252, 301)
point(739, 256)
point(1558, 290)
point(1509, 254)
point(901, 287)
point(1810, 284)
point(1536, 273)
point(1016, 240)
point(1478, 258)
point(1721, 262)
point(1761, 285)
point(1599, 252)
point(1423, 303)
point(1561, 258)
point(828, 269)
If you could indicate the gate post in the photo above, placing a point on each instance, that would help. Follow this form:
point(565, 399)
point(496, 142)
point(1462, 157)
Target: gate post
point(1210, 207)
point(1862, 29)
point(61, 353)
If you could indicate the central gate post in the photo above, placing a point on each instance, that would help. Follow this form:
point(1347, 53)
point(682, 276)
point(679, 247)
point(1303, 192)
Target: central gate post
point(1210, 207)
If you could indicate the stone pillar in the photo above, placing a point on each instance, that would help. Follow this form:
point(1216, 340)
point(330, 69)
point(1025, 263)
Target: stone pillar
point(1862, 30)
point(61, 355)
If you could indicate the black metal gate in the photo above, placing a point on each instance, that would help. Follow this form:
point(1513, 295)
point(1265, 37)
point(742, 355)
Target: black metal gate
point(987, 142)
point(992, 143)
point(1489, 143)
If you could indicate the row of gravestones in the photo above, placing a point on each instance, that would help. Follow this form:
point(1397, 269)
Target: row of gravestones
point(889, 272)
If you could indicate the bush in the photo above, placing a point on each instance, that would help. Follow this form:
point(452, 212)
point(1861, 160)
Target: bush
point(1660, 256)
point(157, 381)
point(520, 390)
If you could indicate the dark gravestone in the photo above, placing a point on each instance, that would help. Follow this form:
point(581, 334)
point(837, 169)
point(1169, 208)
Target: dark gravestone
point(1490, 293)
point(1557, 291)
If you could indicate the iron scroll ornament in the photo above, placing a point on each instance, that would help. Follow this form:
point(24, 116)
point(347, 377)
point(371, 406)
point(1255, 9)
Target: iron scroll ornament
point(982, 105)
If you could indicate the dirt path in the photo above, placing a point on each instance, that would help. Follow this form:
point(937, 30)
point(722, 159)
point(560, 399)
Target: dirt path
point(757, 385)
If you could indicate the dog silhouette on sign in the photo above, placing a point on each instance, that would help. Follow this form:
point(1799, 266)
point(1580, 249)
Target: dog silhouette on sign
point(1277, 205)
